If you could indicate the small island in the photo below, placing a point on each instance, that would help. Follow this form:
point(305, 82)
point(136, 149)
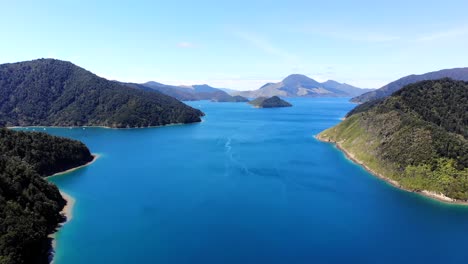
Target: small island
point(274, 101)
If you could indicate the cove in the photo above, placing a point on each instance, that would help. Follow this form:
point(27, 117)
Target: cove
point(246, 185)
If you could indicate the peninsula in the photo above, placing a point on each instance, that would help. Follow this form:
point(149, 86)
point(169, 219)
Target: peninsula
point(32, 208)
point(416, 139)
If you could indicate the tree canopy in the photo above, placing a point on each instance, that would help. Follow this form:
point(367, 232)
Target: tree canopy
point(49, 92)
point(29, 205)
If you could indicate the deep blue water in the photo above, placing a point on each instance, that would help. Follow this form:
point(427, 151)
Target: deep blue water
point(246, 186)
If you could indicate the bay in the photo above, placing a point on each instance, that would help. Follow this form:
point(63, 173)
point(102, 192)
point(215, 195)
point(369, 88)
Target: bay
point(246, 185)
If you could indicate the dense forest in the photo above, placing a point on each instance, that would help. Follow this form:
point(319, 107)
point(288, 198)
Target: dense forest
point(45, 154)
point(417, 136)
point(274, 101)
point(29, 205)
point(49, 92)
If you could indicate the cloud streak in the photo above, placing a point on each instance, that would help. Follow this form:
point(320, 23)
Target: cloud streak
point(185, 45)
point(266, 46)
point(349, 34)
point(447, 34)
point(371, 36)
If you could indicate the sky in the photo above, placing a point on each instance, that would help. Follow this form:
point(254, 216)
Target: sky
point(240, 44)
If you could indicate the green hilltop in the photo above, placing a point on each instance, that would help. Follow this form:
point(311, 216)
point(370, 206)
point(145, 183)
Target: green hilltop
point(49, 92)
point(416, 137)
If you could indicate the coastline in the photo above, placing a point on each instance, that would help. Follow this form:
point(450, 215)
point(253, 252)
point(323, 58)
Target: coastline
point(95, 157)
point(103, 127)
point(440, 197)
point(67, 210)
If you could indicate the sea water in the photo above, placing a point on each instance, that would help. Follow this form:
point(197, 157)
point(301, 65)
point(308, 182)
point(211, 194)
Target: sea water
point(246, 185)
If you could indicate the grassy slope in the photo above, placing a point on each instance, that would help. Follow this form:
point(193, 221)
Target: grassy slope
point(398, 144)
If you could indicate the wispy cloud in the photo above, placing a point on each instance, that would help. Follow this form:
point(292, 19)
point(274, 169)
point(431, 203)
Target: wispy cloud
point(185, 45)
point(364, 36)
point(266, 46)
point(350, 34)
point(447, 34)
point(368, 35)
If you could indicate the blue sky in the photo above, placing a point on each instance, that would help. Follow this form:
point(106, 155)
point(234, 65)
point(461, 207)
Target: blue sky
point(240, 44)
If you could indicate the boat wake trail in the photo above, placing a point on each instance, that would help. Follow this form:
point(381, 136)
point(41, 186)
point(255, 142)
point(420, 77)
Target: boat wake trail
point(232, 162)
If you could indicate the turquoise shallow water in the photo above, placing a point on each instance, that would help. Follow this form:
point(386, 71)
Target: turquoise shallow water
point(246, 186)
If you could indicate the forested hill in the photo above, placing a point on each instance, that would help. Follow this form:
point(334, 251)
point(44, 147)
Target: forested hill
point(30, 206)
point(417, 136)
point(47, 155)
point(49, 92)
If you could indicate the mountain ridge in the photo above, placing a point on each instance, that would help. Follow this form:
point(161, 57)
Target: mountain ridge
point(298, 85)
point(460, 74)
point(193, 92)
point(49, 92)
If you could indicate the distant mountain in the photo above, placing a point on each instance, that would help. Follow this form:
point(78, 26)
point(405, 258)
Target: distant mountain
point(456, 74)
point(191, 93)
point(238, 98)
point(180, 93)
point(48, 92)
point(298, 85)
point(274, 101)
point(229, 91)
point(416, 138)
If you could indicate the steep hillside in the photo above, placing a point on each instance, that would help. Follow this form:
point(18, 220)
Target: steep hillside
point(416, 137)
point(49, 92)
point(30, 206)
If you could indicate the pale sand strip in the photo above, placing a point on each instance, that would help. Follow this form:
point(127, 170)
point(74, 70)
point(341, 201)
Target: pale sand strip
point(103, 127)
point(67, 210)
point(430, 194)
point(95, 157)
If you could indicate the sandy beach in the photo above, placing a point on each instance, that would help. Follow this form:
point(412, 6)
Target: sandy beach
point(41, 128)
point(67, 210)
point(429, 194)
